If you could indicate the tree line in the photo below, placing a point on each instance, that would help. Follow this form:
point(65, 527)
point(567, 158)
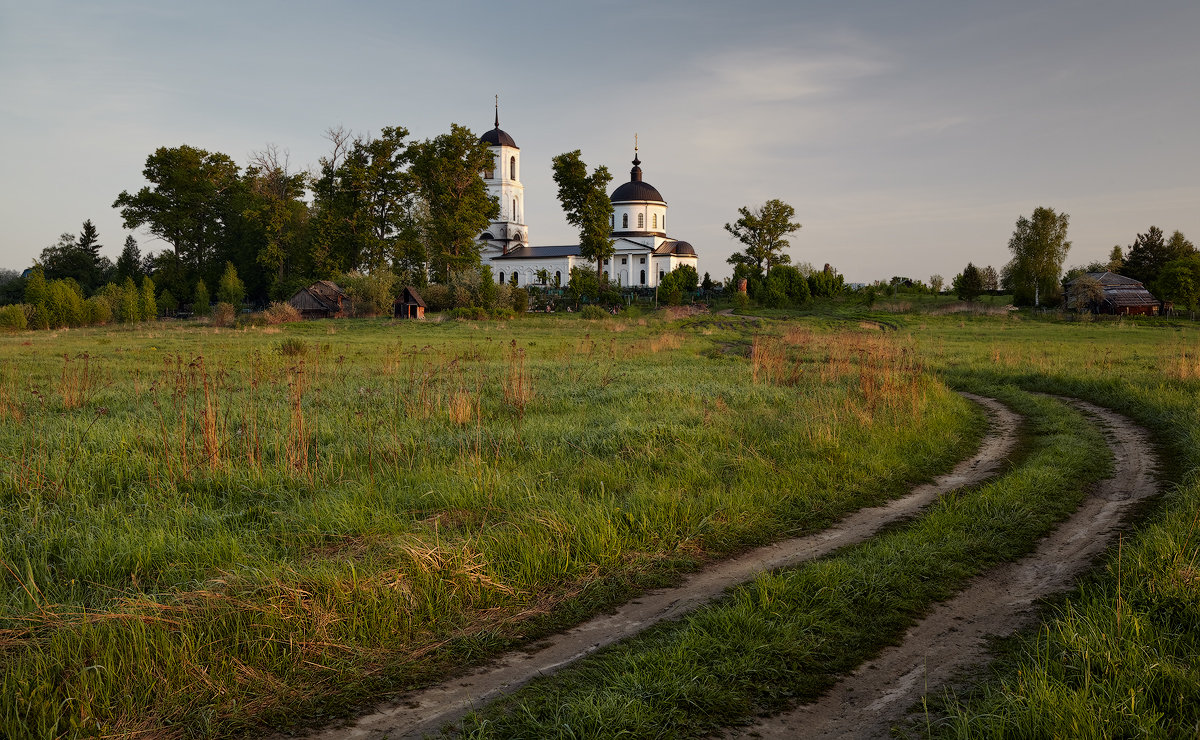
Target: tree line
point(373, 205)
point(1168, 266)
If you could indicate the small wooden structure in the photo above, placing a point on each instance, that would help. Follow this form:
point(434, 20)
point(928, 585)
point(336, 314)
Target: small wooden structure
point(409, 305)
point(1121, 295)
point(322, 300)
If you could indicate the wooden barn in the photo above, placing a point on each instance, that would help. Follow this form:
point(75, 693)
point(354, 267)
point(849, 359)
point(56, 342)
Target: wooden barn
point(322, 300)
point(1118, 295)
point(410, 305)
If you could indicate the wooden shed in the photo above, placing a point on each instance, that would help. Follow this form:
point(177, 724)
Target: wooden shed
point(321, 300)
point(410, 305)
point(1121, 295)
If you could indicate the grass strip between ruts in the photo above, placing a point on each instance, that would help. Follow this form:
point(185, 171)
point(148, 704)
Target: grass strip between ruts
point(787, 636)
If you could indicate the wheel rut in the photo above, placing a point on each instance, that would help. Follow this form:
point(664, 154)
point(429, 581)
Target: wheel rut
point(954, 636)
point(425, 711)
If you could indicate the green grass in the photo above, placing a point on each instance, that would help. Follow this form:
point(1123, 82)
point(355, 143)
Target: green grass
point(204, 532)
point(788, 635)
point(1117, 657)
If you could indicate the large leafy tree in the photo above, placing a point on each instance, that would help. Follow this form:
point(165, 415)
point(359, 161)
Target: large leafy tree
point(1151, 252)
point(191, 203)
point(764, 231)
point(276, 209)
point(1039, 246)
point(584, 199)
point(1179, 282)
point(362, 201)
point(447, 170)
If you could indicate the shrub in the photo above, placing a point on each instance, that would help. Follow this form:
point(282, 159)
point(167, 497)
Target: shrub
point(293, 347)
point(592, 311)
point(168, 303)
point(147, 305)
point(224, 314)
point(281, 312)
point(97, 310)
point(520, 300)
point(259, 318)
point(231, 289)
point(373, 294)
point(13, 318)
point(740, 299)
point(469, 313)
point(201, 306)
point(437, 297)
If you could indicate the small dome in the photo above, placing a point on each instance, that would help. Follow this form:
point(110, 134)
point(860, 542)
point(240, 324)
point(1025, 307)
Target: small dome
point(497, 137)
point(683, 249)
point(636, 189)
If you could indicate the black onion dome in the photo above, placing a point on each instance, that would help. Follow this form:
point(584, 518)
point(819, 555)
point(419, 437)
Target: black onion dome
point(496, 137)
point(636, 189)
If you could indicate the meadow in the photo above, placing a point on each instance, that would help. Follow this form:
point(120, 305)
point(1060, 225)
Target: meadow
point(1117, 657)
point(208, 531)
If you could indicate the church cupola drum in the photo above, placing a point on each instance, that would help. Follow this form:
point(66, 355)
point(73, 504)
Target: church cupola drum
point(508, 231)
point(638, 207)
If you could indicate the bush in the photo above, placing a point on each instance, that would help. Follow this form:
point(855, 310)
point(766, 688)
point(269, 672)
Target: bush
point(373, 294)
point(740, 299)
point(13, 318)
point(520, 300)
point(97, 310)
point(470, 313)
point(437, 297)
point(224, 314)
point(258, 318)
point(293, 347)
point(231, 289)
point(201, 306)
point(593, 312)
point(281, 312)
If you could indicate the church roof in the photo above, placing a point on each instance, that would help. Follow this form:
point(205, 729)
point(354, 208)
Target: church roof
point(636, 189)
point(677, 248)
point(497, 137)
point(568, 250)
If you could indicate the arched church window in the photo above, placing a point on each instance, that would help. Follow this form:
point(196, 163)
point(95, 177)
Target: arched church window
point(643, 277)
point(641, 220)
point(502, 277)
point(660, 274)
point(654, 220)
point(612, 222)
point(514, 212)
point(557, 278)
point(624, 220)
point(512, 168)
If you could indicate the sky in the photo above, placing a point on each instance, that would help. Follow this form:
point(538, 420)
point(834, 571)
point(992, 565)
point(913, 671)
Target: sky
point(909, 137)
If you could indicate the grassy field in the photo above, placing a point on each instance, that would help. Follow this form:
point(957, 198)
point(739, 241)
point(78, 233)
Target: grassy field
point(206, 532)
point(785, 637)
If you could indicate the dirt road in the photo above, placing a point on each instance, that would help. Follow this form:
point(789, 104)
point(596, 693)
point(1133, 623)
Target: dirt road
point(426, 711)
point(953, 637)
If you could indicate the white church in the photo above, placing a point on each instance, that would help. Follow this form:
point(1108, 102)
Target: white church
point(644, 253)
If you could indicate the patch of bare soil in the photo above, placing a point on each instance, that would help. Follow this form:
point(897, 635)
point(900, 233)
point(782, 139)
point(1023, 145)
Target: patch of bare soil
point(954, 637)
point(428, 710)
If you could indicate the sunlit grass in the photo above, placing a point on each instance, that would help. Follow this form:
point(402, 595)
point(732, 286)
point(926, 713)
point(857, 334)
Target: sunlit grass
point(220, 529)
